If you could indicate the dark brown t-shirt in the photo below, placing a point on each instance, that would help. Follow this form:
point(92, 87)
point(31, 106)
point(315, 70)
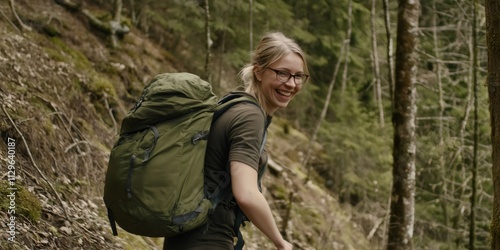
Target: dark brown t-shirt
point(235, 136)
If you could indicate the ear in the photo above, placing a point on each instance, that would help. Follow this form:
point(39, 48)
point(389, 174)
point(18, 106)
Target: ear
point(257, 71)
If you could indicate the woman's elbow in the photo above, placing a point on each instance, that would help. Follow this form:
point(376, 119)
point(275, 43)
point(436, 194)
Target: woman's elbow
point(244, 198)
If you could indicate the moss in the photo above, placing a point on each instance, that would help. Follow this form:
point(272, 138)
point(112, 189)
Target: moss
point(279, 192)
point(98, 86)
point(106, 68)
point(310, 216)
point(55, 54)
point(25, 203)
point(64, 53)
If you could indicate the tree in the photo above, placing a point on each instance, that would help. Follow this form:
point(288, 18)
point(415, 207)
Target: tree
point(441, 104)
point(390, 61)
point(492, 8)
point(208, 42)
point(376, 66)
point(115, 24)
point(347, 55)
point(250, 24)
point(403, 118)
point(326, 104)
point(472, 224)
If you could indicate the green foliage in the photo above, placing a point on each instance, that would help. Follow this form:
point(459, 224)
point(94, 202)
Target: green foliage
point(359, 150)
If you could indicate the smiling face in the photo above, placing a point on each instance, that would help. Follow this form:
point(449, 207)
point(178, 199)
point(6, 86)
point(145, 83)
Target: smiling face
point(275, 94)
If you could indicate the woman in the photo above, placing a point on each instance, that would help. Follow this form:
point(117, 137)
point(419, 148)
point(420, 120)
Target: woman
point(275, 75)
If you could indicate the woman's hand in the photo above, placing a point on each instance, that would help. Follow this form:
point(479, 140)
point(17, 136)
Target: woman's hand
point(254, 204)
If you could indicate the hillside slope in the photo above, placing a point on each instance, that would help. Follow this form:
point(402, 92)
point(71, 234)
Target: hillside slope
point(63, 94)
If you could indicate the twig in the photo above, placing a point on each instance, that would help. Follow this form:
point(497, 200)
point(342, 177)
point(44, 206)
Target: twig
point(110, 111)
point(18, 19)
point(31, 176)
point(8, 20)
point(75, 144)
point(287, 216)
point(375, 228)
point(69, 127)
point(34, 163)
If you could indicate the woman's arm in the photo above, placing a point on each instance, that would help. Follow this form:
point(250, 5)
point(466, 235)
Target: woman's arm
point(253, 203)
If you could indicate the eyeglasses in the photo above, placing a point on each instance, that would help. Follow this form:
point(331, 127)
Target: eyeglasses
point(284, 76)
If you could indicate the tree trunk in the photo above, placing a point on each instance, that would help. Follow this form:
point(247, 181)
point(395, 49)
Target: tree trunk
point(115, 24)
point(443, 190)
point(347, 51)
point(403, 118)
point(472, 225)
point(376, 67)
point(208, 42)
point(492, 8)
point(133, 14)
point(250, 24)
point(390, 66)
point(390, 53)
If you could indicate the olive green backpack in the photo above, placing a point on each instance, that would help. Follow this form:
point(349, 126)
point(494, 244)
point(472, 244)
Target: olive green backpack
point(154, 182)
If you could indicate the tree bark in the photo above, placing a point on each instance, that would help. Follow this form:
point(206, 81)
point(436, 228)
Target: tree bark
point(403, 118)
point(492, 8)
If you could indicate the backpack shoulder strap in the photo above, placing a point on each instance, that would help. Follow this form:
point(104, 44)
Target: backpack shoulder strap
point(233, 98)
point(223, 105)
point(226, 102)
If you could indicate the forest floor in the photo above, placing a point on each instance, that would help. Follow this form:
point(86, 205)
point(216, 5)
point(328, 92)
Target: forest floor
point(64, 92)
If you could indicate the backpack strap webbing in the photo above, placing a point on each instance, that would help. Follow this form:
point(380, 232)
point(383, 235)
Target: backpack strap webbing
point(112, 222)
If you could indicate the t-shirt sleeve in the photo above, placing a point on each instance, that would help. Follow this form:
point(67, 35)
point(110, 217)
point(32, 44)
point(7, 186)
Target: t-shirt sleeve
point(245, 134)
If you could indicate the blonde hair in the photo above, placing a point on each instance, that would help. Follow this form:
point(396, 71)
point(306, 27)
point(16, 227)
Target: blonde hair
point(271, 48)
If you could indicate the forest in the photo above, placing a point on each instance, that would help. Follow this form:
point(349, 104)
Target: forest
point(397, 125)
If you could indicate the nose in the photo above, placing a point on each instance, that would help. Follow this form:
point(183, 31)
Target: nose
point(291, 81)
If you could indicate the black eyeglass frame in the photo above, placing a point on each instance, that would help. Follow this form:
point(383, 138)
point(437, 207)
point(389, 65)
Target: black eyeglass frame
point(278, 72)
